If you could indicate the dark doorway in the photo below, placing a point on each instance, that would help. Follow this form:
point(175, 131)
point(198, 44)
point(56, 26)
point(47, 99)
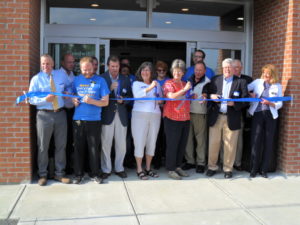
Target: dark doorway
point(140, 51)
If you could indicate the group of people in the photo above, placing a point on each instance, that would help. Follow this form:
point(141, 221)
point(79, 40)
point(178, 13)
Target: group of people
point(96, 119)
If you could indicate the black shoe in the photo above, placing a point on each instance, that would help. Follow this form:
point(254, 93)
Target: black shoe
point(200, 169)
point(238, 168)
point(188, 166)
point(253, 174)
point(104, 175)
point(121, 174)
point(97, 179)
point(210, 173)
point(78, 180)
point(228, 175)
point(264, 174)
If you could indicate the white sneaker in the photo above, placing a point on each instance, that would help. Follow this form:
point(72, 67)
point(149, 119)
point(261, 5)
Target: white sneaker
point(174, 175)
point(181, 172)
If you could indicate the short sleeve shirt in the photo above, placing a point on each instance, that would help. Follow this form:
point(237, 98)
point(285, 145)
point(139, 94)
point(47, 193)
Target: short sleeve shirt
point(176, 110)
point(96, 88)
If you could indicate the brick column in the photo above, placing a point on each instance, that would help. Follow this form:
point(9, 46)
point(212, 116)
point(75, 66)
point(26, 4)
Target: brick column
point(19, 58)
point(276, 41)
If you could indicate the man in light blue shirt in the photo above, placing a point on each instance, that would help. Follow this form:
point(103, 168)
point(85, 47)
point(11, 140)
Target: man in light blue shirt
point(227, 82)
point(224, 117)
point(198, 56)
point(50, 118)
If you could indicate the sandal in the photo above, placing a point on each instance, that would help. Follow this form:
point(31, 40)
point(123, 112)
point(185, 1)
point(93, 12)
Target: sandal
point(151, 173)
point(142, 175)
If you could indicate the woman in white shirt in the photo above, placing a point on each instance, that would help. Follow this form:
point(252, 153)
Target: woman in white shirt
point(264, 122)
point(145, 120)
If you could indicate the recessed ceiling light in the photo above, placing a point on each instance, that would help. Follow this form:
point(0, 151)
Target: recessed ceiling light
point(185, 9)
point(95, 5)
point(240, 18)
point(168, 22)
point(93, 19)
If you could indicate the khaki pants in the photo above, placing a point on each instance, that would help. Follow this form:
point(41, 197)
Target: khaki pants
point(218, 133)
point(117, 132)
point(239, 148)
point(198, 131)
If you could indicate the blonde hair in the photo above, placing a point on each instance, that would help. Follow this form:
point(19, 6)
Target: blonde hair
point(273, 72)
point(85, 59)
point(178, 64)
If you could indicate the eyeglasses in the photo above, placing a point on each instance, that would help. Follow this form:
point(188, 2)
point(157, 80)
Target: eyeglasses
point(198, 56)
point(160, 71)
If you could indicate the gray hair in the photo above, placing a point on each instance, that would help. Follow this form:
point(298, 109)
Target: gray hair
point(178, 64)
point(238, 61)
point(227, 61)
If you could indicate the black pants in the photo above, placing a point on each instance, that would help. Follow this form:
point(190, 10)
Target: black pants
point(177, 133)
point(69, 147)
point(87, 133)
point(262, 140)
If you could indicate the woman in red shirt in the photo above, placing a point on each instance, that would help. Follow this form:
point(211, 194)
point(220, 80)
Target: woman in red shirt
point(176, 120)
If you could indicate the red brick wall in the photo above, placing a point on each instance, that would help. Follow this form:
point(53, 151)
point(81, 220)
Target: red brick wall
point(19, 52)
point(276, 40)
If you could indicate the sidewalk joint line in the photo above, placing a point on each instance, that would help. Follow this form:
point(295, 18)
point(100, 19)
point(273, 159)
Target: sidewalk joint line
point(131, 203)
point(238, 202)
point(16, 202)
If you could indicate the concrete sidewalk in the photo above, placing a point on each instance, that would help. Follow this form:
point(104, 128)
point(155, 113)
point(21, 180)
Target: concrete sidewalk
point(196, 200)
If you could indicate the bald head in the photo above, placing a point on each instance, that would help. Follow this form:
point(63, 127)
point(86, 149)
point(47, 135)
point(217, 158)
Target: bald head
point(68, 62)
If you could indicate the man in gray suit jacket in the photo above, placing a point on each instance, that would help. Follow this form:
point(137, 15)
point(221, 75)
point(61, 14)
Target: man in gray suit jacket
point(114, 119)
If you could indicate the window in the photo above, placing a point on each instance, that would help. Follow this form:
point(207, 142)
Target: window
point(198, 15)
point(112, 13)
point(180, 14)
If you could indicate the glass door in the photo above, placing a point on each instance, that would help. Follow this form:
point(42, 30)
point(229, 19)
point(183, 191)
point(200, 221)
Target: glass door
point(78, 47)
point(104, 52)
point(217, 52)
point(190, 49)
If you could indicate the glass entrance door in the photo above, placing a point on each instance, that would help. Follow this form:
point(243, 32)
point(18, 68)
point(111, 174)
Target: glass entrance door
point(79, 48)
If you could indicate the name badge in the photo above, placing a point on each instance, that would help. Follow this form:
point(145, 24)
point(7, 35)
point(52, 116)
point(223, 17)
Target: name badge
point(236, 94)
point(124, 91)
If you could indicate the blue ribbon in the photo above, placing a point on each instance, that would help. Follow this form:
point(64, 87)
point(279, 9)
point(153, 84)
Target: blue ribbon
point(44, 94)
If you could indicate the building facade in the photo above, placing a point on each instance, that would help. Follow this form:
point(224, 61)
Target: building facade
point(257, 32)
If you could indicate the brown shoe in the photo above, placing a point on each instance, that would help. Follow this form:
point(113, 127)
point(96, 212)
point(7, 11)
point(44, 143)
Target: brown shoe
point(42, 181)
point(63, 180)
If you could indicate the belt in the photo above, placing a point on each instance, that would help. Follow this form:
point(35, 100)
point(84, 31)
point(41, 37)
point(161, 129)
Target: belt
point(225, 114)
point(51, 110)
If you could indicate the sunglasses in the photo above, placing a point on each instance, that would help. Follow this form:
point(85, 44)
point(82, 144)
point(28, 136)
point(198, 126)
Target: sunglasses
point(161, 71)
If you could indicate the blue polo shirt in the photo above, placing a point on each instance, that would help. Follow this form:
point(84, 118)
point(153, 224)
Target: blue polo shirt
point(96, 88)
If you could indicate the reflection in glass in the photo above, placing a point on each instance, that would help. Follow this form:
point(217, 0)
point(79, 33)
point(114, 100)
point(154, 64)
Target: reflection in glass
point(196, 15)
point(77, 50)
point(102, 17)
point(102, 59)
point(182, 21)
